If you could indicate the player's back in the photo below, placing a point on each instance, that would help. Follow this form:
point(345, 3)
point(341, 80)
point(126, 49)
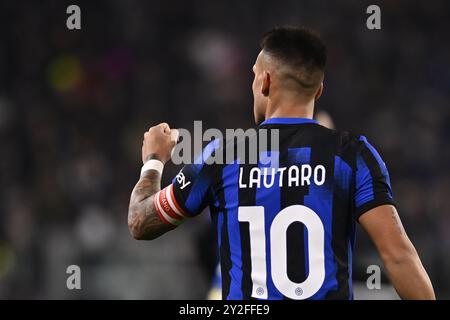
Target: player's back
point(285, 224)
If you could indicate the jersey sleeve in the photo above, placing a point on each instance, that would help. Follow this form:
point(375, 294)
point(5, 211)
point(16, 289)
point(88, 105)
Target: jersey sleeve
point(188, 194)
point(372, 182)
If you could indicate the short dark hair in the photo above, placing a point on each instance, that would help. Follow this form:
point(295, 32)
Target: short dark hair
point(298, 47)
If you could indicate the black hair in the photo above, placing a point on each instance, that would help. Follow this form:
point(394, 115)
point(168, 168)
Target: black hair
point(298, 47)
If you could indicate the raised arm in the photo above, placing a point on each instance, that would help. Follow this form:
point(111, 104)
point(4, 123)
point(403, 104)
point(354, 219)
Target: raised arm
point(405, 270)
point(144, 222)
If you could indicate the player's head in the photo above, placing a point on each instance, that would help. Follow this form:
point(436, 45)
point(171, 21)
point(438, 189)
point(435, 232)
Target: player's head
point(290, 66)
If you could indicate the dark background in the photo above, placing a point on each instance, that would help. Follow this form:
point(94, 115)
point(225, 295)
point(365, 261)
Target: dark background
point(74, 106)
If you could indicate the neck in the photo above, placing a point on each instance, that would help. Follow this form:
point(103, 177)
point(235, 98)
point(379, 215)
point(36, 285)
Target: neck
point(290, 110)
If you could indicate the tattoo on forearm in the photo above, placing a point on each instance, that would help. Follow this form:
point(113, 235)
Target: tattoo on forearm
point(397, 221)
point(142, 217)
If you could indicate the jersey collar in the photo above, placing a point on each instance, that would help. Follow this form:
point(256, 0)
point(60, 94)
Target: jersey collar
point(288, 121)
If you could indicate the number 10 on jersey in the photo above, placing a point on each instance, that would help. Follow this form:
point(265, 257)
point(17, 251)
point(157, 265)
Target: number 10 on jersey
point(254, 215)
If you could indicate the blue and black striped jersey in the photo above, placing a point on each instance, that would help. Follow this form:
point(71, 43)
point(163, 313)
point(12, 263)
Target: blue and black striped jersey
point(286, 228)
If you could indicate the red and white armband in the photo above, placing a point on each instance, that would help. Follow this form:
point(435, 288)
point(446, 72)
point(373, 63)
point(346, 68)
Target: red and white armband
point(167, 207)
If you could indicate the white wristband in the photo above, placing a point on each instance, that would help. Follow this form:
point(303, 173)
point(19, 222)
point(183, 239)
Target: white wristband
point(152, 164)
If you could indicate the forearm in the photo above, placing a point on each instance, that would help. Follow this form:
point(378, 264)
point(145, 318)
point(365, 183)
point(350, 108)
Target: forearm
point(143, 221)
point(400, 258)
point(409, 278)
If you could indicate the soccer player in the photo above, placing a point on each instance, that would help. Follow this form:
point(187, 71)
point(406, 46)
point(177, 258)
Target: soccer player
point(286, 229)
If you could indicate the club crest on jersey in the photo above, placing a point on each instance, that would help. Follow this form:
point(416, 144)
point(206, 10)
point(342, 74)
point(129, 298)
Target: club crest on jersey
point(181, 179)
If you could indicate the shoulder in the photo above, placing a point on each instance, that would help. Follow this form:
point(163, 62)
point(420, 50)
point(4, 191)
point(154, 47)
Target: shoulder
point(351, 146)
point(344, 141)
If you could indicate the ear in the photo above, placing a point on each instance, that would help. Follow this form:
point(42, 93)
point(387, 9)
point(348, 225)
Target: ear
point(319, 92)
point(265, 85)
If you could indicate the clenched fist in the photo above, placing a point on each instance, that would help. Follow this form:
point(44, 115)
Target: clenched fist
point(159, 142)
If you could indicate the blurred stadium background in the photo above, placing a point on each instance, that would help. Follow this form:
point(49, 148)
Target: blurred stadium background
point(74, 106)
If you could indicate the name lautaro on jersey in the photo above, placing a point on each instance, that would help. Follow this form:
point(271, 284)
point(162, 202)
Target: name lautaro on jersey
point(297, 176)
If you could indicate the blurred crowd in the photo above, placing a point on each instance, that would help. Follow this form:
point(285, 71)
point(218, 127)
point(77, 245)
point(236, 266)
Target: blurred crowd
point(74, 105)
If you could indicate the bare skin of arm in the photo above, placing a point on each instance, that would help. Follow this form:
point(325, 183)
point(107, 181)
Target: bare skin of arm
point(144, 222)
point(405, 270)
